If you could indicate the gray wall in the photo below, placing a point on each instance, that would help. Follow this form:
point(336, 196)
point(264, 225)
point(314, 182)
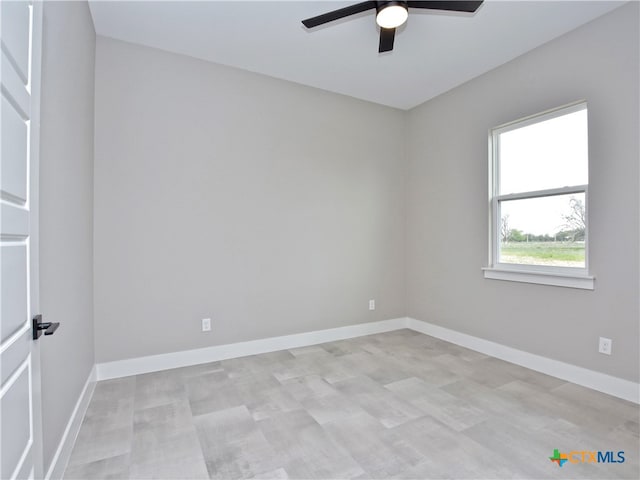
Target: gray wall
point(447, 211)
point(66, 211)
point(270, 207)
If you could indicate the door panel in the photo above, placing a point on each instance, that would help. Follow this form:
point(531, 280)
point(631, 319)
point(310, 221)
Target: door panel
point(20, 436)
point(17, 421)
point(16, 91)
point(14, 153)
point(16, 35)
point(13, 357)
point(14, 222)
point(14, 291)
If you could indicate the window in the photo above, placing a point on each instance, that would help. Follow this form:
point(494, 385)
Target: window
point(538, 199)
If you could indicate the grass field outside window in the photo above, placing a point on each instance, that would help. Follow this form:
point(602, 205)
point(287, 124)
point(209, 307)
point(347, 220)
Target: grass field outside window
point(556, 254)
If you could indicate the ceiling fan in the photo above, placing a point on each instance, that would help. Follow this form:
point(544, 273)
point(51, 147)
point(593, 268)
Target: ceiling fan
point(390, 15)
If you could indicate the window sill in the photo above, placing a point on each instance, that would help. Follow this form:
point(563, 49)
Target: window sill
point(584, 282)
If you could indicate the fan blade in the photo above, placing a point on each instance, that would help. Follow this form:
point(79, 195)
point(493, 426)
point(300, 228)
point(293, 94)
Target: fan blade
point(338, 14)
point(387, 35)
point(453, 5)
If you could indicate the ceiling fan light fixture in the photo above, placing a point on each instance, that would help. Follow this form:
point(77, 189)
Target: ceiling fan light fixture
point(392, 15)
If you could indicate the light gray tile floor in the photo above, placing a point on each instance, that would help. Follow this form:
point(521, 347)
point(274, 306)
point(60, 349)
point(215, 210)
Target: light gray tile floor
point(393, 405)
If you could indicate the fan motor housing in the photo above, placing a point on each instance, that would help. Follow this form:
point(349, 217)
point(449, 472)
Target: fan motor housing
point(383, 5)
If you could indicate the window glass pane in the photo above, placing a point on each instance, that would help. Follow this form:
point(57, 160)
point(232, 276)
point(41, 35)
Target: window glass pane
point(548, 154)
point(543, 231)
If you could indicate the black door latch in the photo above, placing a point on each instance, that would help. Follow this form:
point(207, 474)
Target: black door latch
point(38, 326)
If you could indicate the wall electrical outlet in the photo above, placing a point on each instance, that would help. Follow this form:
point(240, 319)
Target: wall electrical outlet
point(605, 345)
point(206, 324)
point(372, 304)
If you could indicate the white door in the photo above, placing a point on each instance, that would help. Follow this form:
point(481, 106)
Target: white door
point(20, 443)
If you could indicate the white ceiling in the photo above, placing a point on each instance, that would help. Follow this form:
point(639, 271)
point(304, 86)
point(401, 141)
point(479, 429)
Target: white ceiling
point(433, 52)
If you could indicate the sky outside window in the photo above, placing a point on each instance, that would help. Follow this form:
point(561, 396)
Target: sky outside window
point(549, 154)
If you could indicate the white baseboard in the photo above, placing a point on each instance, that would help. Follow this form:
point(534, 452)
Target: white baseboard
point(601, 382)
point(63, 452)
point(154, 363)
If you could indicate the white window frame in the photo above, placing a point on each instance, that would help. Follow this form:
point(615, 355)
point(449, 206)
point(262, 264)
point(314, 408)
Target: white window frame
point(573, 277)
